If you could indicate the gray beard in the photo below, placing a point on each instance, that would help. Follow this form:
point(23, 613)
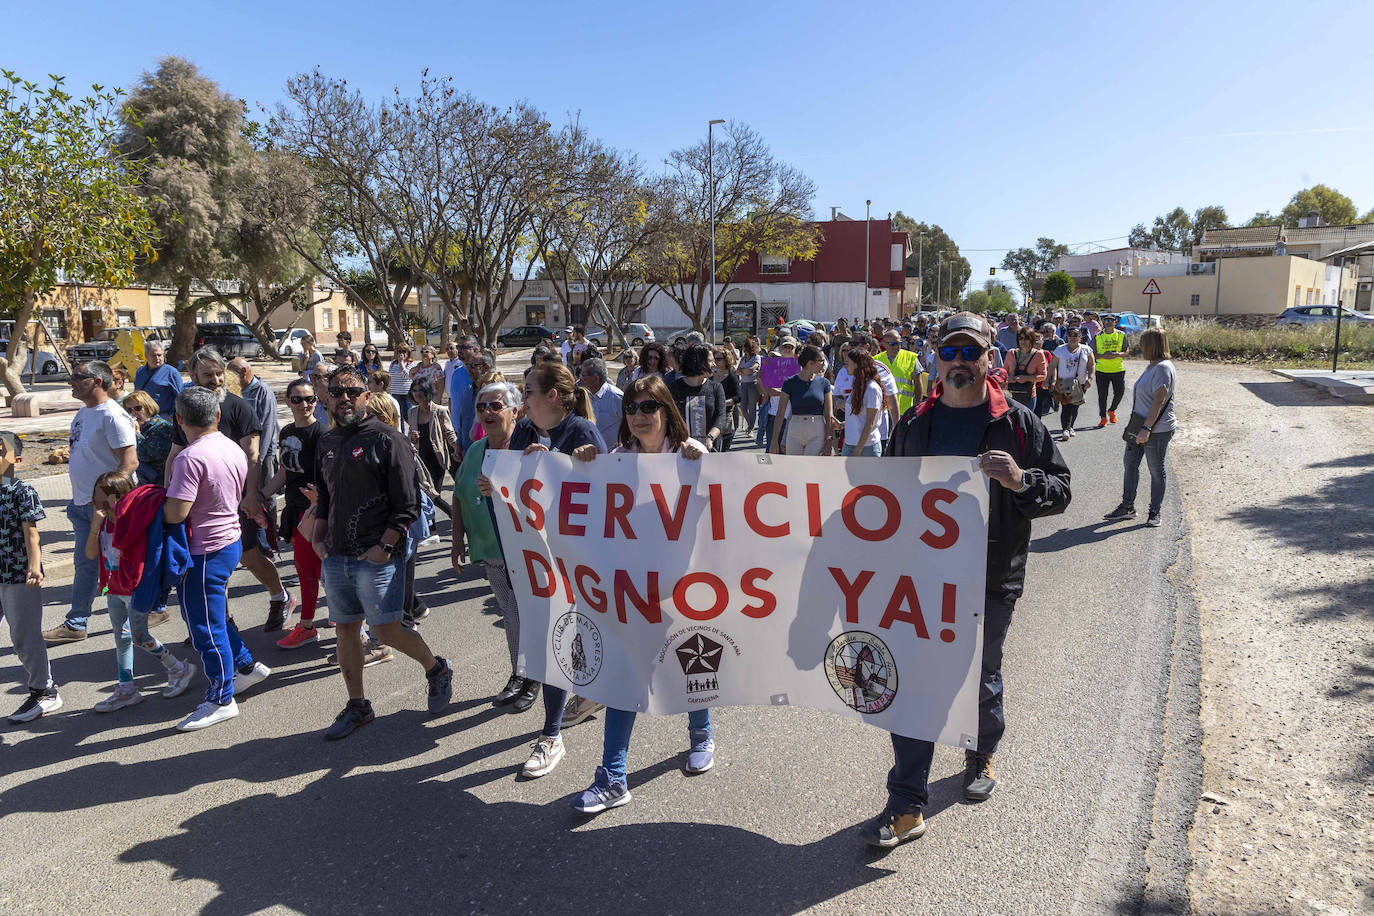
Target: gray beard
point(959, 380)
point(352, 419)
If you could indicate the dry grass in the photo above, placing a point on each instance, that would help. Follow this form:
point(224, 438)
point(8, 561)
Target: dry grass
point(1309, 345)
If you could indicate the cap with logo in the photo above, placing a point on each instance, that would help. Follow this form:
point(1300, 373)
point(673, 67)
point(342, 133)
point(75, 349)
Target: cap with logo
point(966, 324)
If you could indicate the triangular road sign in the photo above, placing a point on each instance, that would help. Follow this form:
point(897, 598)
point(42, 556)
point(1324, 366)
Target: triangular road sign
point(1151, 289)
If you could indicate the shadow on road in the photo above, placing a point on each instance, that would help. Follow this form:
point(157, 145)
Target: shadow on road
point(1065, 538)
point(1291, 394)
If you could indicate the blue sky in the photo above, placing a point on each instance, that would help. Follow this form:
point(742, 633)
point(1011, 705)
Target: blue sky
point(1002, 122)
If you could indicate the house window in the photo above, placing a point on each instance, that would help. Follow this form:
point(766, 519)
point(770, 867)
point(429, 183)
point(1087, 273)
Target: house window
point(328, 319)
point(55, 320)
point(1194, 300)
point(774, 264)
point(534, 314)
point(1297, 296)
point(357, 317)
point(124, 319)
point(225, 317)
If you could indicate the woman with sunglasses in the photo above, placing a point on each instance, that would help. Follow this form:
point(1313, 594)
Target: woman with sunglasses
point(475, 534)
point(296, 472)
point(558, 417)
point(650, 424)
point(371, 360)
point(653, 360)
point(431, 432)
point(399, 371)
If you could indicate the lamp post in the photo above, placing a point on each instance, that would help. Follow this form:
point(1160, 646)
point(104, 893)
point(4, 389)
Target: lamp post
point(868, 228)
point(711, 180)
point(939, 277)
point(920, 268)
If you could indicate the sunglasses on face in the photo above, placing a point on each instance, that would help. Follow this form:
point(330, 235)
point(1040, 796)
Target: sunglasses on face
point(491, 406)
point(80, 376)
point(648, 408)
point(349, 392)
point(968, 351)
point(302, 399)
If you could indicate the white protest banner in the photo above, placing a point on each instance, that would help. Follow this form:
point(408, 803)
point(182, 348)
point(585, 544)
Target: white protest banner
point(659, 584)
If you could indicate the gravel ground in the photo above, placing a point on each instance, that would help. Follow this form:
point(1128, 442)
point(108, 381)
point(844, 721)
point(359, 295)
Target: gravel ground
point(1278, 486)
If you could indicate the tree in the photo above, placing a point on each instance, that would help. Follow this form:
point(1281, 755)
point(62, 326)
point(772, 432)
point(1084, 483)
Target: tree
point(1264, 218)
point(1171, 232)
point(1368, 217)
point(186, 135)
point(1207, 218)
point(69, 204)
point(761, 205)
point(931, 253)
point(993, 297)
point(1025, 263)
point(1058, 287)
point(1334, 207)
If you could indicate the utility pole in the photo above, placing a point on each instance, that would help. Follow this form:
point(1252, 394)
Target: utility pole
point(939, 277)
point(920, 268)
point(868, 228)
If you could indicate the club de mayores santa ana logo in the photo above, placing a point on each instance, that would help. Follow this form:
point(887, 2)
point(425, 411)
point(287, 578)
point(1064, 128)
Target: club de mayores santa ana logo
point(577, 646)
point(861, 671)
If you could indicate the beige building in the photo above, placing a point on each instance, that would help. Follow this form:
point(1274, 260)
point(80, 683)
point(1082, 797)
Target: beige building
point(1233, 286)
point(1311, 238)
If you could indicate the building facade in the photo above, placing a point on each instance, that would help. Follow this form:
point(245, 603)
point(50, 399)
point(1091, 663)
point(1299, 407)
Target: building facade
point(1311, 239)
point(1233, 286)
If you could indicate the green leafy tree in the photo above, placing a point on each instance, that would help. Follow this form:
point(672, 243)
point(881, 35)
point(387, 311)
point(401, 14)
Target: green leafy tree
point(1263, 218)
point(944, 272)
point(1334, 207)
point(1171, 232)
point(69, 205)
point(993, 297)
point(1206, 218)
point(186, 135)
point(1058, 287)
point(1025, 263)
point(1368, 217)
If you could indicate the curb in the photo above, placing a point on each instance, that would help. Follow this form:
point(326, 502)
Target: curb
point(1347, 389)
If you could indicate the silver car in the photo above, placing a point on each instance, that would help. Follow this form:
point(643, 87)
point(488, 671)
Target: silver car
point(1319, 314)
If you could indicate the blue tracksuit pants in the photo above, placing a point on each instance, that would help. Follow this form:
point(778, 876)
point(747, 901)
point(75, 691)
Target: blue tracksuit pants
point(204, 607)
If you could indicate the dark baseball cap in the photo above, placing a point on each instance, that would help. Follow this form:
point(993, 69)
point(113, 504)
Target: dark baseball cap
point(966, 324)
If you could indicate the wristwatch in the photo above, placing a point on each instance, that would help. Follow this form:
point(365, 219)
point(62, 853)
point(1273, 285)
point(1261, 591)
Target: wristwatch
point(391, 549)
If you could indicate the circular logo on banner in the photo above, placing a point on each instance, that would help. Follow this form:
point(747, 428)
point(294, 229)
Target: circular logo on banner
point(577, 646)
point(861, 671)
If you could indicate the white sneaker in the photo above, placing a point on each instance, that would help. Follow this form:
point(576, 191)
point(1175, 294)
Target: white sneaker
point(1072, 433)
point(243, 681)
point(544, 757)
point(208, 714)
point(124, 695)
point(429, 541)
point(178, 679)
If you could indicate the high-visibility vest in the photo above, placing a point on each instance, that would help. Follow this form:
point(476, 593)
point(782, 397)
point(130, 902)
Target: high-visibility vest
point(902, 369)
point(1105, 343)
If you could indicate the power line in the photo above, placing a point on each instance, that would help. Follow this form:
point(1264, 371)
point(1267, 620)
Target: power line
point(1114, 238)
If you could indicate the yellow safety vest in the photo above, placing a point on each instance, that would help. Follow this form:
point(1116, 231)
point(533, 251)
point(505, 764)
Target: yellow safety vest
point(1104, 343)
point(902, 372)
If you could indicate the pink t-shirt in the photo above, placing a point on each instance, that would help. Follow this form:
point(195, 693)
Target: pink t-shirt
point(209, 474)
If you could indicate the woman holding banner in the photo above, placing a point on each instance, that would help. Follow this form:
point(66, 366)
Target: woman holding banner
point(558, 417)
point(474, 529)
point(650, 424)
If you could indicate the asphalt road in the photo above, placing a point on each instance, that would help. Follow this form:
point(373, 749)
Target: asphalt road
point(120, 813)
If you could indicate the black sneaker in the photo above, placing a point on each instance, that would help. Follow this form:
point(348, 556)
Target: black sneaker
point(38, 703)
point(1120, 513)
point(440, 687)
point(278, 612)
point(1153, 521)
point(890, 828)
point(529, 692)
point(978, 780)
point(355, 715)
point(509, 692)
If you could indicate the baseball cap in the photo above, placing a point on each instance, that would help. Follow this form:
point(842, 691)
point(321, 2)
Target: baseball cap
point(968, 325)
point(790, 342)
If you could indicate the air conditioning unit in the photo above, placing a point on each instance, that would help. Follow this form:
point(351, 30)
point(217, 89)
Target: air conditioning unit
point(1197, 268)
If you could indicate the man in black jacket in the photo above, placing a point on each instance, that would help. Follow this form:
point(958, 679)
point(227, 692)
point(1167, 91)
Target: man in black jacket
point(368, 495)
point(967, 414)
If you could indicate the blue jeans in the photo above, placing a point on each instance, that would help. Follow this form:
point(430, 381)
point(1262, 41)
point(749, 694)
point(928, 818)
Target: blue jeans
point(1153, 452)
point(403, 402)
point(205, 608)
point(86, 580)
point(763, 430)
point(131, 627)
point(868, 451)
point(361, 590)
point(615, 748)
point(907, 781)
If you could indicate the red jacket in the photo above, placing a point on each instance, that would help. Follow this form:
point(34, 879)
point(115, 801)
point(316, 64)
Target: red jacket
point(135, 513)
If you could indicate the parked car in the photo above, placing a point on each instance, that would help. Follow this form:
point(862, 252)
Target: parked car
point(229, 338)
point(289, 342)
point(104, 344)
point(527, 335)
point(597, 336)
point(1133, 324)
point(1319, 314)
point(47, 363)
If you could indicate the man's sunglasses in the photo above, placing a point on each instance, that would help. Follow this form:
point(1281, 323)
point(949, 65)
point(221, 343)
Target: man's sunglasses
point(646, 407)
point(491, 406)
point(350, 392)
point(79, 376)
point(302, 399)
point(968, 351)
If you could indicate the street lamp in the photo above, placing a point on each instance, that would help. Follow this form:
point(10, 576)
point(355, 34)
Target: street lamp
point(711, 180)
point(920, 268)
point(939, 277)
point(868, 228)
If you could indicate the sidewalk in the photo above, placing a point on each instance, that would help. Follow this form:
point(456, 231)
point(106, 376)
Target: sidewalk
point(1353, 385)
point(54, 531)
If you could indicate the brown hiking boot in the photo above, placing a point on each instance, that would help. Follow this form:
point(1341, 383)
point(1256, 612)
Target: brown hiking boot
point(890, 828)
point(62, 634)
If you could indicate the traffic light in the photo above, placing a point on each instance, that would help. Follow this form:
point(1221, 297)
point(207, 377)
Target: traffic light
point(992, 271)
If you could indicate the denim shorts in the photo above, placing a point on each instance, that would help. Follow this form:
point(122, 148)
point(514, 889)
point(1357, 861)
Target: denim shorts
point(360, 590)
